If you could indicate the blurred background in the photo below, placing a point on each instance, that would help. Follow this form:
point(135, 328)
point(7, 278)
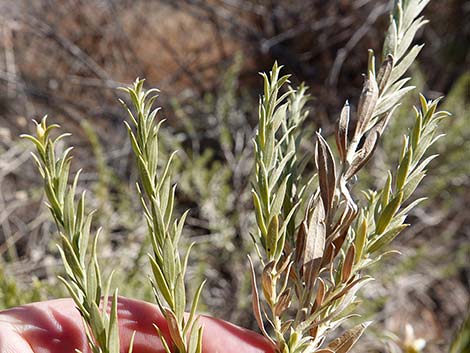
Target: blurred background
point(65, 58)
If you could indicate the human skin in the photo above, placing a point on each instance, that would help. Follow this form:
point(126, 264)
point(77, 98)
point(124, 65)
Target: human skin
point(55, 326)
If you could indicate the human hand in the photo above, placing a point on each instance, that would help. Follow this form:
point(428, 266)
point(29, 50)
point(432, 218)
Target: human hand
point(55, 326)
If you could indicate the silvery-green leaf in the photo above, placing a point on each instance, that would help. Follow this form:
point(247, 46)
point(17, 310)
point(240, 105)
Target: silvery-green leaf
point(403, 169)
point(405, 63)
point(194, 305)
point(68, 269)
point(79, 216)
point(418, 168)
point(166, 169)
point(412, 205)
point(386, 238)
point(146, 177)
point(180, 297)
point(133, 139)
point(413, 10)
point(391, 39)
point(269, 148)
point(38, 144)
point(279, 170)
point(360, 239)
point(416, 132)
point(179, 228)
point(263, 186)
point(199, 340)
point(92, 281)
point(193, 340)
point(107, 288)
point(131, 342)
point(164, 193)
point(69, 212)
point(281, 241)
point(398, 220)
point(73, 294)
point(279, 198)
point(162, 339)
point(161, 282)
point(186, 258)
point(412, 184)
point(272, 236)
point(63, 180)
point(113, 330)
point(170, 205)
point(71, 257)
point(259, 214)
point(279, 116)
point(388, 213)
point(168, 269)
point(385, 197)
point(391, 99)
point(405, 42)
point(97, 325)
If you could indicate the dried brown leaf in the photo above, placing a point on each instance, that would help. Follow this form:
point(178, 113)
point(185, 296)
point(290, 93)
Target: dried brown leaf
point(367, 104)
point(352, 287)
point(256, 302)
point(174, 330)
point(339, 241)
point(313, 332)
point(382, 123)
point(286, 325)
point(345, 342)
point(347, 195)
point(314, 243)
point(283, 265)
point(300, 243)
point(363, 155)
point(283, 302)
point(384, 72)
point(342, 132)
point(266, 280)
point(343, 222)
point(326, 172)
point(348, 264)
point(320, 293)
point(327, 255)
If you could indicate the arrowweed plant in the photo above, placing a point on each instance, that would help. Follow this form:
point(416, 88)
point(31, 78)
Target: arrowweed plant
point(157, 196)
point(317, 244)
point(83, 275)
point(314, 235)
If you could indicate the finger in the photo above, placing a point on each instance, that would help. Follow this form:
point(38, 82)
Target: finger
point(11, 341)
point(46, 327)
point(55, 327)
